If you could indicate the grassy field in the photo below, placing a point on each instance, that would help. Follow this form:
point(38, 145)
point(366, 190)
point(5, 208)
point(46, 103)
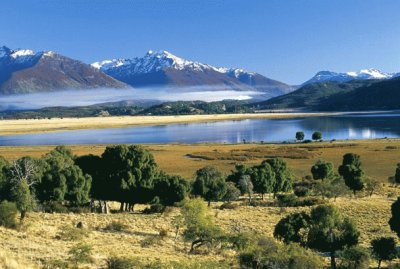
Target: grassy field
point(10, 127)
point(39, 240)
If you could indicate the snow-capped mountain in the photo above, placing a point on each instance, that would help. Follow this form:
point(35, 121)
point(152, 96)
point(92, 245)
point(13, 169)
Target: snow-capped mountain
point(364, 74)
point(23, 71)
point(162, 68)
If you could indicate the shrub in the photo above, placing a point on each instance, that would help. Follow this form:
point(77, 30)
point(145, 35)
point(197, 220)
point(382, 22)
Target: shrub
point(116, 226)
point(8, 214)
point(69, 233)
point(355, 258)
point(163, 233)
point(120, 263)
point(286, 199)
point(301, 191)
point(154, 208)
point(150, 241)
point(228, 206)
point(54, 207)
point(81, 253)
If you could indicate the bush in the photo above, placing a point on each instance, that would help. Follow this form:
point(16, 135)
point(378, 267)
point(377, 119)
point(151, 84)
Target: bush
point(116, 226)
point(163, 233)
point(8, 214)
point(54, 207)
point(228, 206)
point(301, 191)
point(286, 199)
point(150, 241)
point(355, 258)
point(154, 208)
point(81, 253)
point(120, 263)
point(69, 233)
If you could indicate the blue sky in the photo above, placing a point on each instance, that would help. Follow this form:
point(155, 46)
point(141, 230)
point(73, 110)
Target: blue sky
point(288, 40)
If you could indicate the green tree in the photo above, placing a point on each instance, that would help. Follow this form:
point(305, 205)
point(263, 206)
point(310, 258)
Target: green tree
point(4, 188)
point(8, 214)
point(316, 136)
point(263, 178)
point(246, 186)
point(292, 228)
point(352, 172)
point(209, 184)
point(200, 228)
point(322, 170)
point(171, 189)
point(240, 171)
point(331, 188)
point(355, 257)
point(130, 173)
point(283, 176)
point(330, 232)
point(371, 185)
point(299, 136)
point(23, 198)
point(232, 193)
point(394, 221)
point(62, 180)
point(384, 249)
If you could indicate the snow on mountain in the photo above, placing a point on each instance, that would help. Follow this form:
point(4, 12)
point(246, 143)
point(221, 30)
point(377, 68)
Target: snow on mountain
point(363, 74)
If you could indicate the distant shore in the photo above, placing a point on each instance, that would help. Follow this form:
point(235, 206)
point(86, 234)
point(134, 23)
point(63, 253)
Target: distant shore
point(28, 126)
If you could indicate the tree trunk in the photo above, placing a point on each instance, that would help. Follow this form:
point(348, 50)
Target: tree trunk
point(262, 196)
point(379, 263)
point(105, 208)
point(333, 260)
point(209, 203)
point(121, 208)
point(23, 214)
point(249, 198)
point(131, 207)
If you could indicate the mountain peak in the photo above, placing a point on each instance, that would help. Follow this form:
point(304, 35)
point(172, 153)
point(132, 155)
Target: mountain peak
point(371, 73)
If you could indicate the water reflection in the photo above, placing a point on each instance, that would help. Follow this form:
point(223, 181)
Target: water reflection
point(272, 130)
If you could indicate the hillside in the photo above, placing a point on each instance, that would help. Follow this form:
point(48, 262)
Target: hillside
point(334, 96)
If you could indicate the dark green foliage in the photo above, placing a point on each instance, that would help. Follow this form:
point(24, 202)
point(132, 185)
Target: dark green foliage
point(289, 228)
point(322, 170)
point(283, 176)
point(232, 193)
point(209, 184)
point(330, 232)
point(171, 189)
point(384, 249)
point(93, 166)
point(130, 173)
point(240, 171)
point(4, 184)
point(62, 180)
point(394, 221)
point(331, 188)
point(355, 257)
point(154, 208)
point(301, 191)
point(300, 136)
point(397, 174)
point(316, 136)
point(352, 172)
point(8, 214)
point(263, 178)
point(23, 198)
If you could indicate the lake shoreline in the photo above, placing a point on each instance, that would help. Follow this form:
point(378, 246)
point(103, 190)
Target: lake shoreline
point(34, 126)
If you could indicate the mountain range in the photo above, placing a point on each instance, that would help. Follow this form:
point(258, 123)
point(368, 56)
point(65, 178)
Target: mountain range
point(163, 68)
point(26, 71)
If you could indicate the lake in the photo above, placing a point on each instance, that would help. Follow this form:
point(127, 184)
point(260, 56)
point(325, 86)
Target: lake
point(356, 126)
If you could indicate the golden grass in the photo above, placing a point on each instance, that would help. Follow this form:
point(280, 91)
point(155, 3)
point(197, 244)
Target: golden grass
point(38, 241)
point(9, 127)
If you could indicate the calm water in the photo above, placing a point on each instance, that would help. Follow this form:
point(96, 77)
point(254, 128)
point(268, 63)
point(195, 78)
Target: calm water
point(269, 130)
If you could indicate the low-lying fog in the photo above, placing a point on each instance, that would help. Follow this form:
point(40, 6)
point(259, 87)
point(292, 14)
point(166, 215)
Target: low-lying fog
point(97, 96)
